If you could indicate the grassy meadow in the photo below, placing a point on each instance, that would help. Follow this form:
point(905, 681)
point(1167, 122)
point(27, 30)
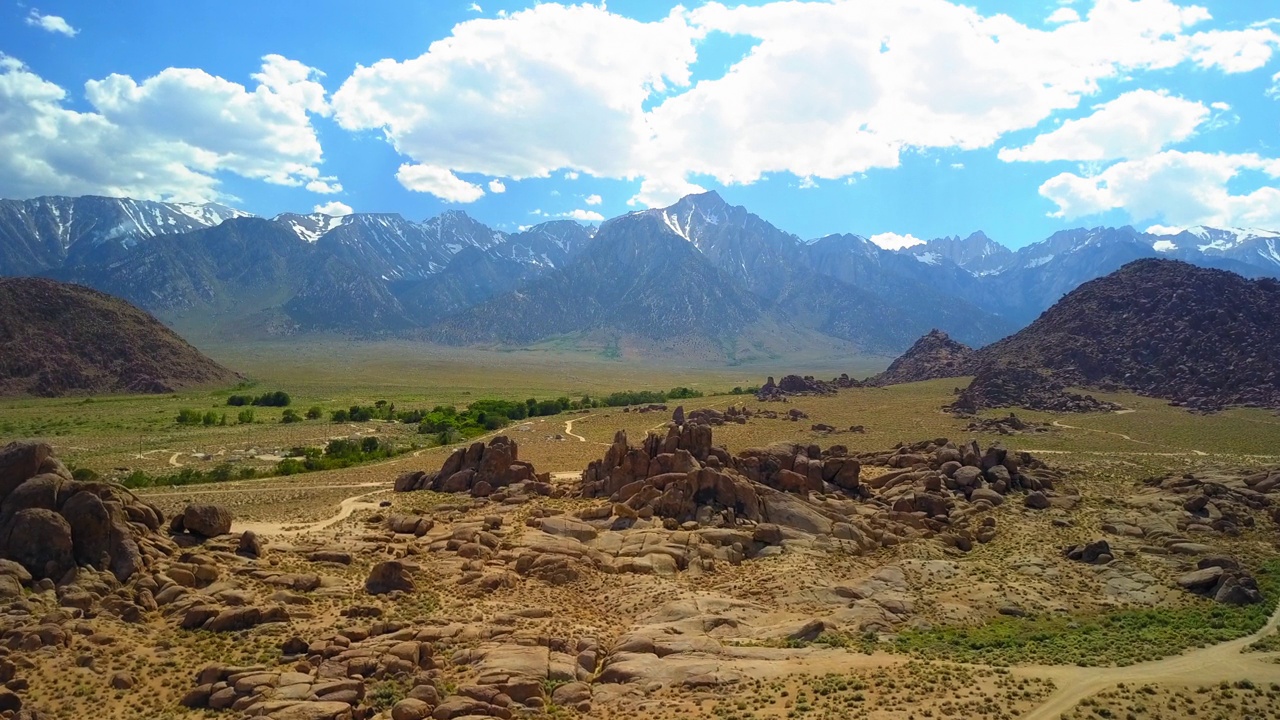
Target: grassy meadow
point(114, 435)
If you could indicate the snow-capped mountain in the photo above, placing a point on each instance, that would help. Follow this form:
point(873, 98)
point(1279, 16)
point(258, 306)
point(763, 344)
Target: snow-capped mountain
point(45, 233)
point(310, 227)
point(976, 253)
point(1252, 246)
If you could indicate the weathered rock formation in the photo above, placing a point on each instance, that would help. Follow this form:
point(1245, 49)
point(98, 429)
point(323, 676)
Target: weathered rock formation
point(933, 356)
point(50, 524)
point(797, 385)
point(480, 470)
point(1012, 386)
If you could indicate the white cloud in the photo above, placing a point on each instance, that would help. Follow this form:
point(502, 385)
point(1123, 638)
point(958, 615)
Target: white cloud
point(324, 186)
point(1164, 230)
point(584, 215)
point(51, 23)
point(1234, 51)
point(957, 166)
point(439, 182)
point(1220, 106)
point(496, 186)
point(593, 200)
point(475, 7)
point(894, 241)
point(829, 90)
point(1164, 245)
point(333, 207)
point(1274, 90)
point(167, 137)
point(1137, 123)
point(1176, 188)
point(570, 175)
point(1063, 15)
point(547, 88)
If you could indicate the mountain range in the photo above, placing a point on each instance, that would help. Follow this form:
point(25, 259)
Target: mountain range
point(699, 274)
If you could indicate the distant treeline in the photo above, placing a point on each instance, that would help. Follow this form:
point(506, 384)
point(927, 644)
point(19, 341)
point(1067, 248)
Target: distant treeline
point(448, 423)
point(336, 454)
point(277, 398)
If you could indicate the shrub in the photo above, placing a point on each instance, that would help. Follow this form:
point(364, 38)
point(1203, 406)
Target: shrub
point(245, 417)
point(314, 412)
point(290, 416)
point(187, 416)
point(272, 399)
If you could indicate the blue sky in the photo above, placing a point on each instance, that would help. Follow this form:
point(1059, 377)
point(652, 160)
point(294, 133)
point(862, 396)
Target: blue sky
point(919, 117)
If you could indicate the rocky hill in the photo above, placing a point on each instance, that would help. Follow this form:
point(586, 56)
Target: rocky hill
point(1200, 337)
point(61, 339)
point(933, 356)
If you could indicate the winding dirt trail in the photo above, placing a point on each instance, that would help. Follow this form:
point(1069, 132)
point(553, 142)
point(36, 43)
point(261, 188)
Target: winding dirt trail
point(345, 509)
point(1060, 424)
point(568, 428)
point(1205, 666)
point(173, 460)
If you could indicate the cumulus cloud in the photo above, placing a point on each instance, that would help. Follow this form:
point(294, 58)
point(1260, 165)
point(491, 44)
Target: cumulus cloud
point(438, 181)
point(544, 89)
point(1138, 123)
point(167, 137)
point(894, 241)
point(1063, 15)
point(50, 23)
point(1176, 188)
point(1164, 245)
point(496, 186)
point(593, 200)
point(333, 207)
point(579, 89)
point(584, 215)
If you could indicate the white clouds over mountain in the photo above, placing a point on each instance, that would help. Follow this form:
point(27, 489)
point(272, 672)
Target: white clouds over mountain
point(166, 137)
point(1136, 124)
point(1180, 188)
point(830, 89)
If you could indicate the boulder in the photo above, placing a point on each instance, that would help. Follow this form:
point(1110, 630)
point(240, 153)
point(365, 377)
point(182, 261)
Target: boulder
point(388, 576)
point(206, 520)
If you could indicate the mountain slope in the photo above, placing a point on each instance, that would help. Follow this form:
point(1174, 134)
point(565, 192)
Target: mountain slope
point(933, 356)
point(60, 339)
point(637, 278)
point(1164, 328)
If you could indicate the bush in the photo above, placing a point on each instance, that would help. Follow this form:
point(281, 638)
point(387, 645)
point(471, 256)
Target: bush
point(210, 418)
point(187, 416)
point(290, 416)
point(272, 399)
point(683, 393)
point(245, 417)
point(338, 416)
point(314, 412)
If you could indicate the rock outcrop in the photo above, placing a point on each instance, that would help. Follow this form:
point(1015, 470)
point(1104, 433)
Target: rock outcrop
point(480, 470)
point(50, 524)
point(933, 356)
point(1013, 386)
point(1203, 338)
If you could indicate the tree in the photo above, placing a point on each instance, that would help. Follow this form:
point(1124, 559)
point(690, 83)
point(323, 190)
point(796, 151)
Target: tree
point(315, 412)
point(290, 416)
